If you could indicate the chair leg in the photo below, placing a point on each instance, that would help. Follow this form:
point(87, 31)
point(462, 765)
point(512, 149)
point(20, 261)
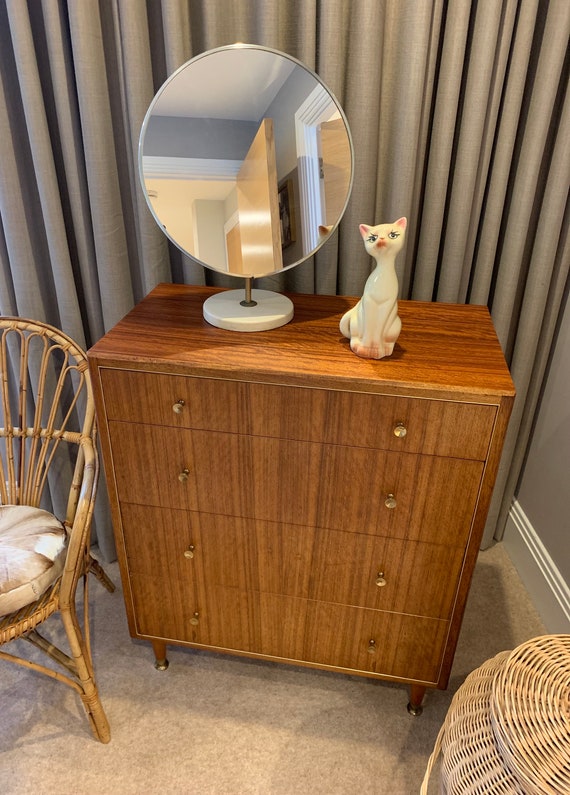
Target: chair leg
point(85, 676)
point(94, 566)
point(96, 715)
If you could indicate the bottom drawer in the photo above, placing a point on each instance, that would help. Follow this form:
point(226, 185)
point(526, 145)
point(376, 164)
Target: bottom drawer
point(368, 641)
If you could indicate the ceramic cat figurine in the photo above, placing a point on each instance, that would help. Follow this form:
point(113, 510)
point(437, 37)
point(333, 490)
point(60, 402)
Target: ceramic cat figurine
point(373, 325)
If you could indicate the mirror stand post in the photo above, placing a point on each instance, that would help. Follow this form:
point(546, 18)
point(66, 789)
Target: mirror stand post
point(248, 301)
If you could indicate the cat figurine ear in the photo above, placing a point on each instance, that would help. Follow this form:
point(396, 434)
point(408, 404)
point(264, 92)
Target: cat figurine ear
point(373, 325)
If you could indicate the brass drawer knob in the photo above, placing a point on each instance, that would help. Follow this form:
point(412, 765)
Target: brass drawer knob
point(178, 407)
point(371, 646)
point(189, 553)
point(194, 619)
point(390, 501)
point(400, 430)
point(183, 476)
point(380, 579)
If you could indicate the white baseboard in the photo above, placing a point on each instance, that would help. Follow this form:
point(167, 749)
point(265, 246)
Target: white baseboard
point(548, 590)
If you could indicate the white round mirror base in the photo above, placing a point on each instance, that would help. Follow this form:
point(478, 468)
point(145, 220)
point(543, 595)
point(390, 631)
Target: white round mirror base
point(226, 311)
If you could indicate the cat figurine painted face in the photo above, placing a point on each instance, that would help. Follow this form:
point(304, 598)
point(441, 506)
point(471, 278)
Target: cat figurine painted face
point(373, 325)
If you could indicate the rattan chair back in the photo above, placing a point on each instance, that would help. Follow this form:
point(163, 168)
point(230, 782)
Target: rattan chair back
point(48, 460)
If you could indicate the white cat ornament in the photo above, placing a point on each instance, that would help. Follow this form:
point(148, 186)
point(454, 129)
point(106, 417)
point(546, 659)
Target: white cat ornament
point(373, 325)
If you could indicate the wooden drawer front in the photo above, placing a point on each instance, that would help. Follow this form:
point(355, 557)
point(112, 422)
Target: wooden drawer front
point(297, 482)
point(329, 566)
point(179, 401)
point(327, 634)
point(214, 405)
point(231, 619)
point(218, 550)
point(420, 579)
point(434, 497)
point(324, 565)
point(432, 427)
point(164, 608)
point(297, 630)
point(256, 477)
point(405, 646)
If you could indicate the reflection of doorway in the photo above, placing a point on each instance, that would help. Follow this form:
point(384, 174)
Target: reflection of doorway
point(258, 206)
point(316, 109)
point(233, 245)
point(335, 152)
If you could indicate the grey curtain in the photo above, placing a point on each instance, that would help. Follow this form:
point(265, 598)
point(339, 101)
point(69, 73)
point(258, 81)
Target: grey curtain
point(460, 116)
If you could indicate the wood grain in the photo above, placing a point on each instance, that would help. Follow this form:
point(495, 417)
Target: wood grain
point(444, 351)
point(434, 427)
point(309, 563)
point(269, 456)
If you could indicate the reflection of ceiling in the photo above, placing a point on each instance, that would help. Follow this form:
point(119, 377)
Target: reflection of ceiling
point(216, 89)
point(166, 167)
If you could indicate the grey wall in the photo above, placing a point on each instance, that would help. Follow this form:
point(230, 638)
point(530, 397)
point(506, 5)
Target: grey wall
point(544, 490)
point(216, 139)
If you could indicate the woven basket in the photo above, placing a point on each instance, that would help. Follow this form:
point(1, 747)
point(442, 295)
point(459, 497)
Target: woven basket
point(530, 714)
point(470, 763)
point(507, 730)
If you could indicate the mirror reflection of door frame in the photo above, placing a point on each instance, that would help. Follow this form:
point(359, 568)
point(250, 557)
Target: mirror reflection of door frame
point(232, 238)
point(316, 109)
point(258, 205)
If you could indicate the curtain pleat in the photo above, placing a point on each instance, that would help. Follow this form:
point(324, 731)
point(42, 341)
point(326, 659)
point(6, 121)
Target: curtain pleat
point(464, 204)
point(526, 189)
point(432, 223)
point(459, 119)
point(522, 21)
point(118, 281)
point(135, 87)
point(177, 35)
point(72, 175)
point(60, 272)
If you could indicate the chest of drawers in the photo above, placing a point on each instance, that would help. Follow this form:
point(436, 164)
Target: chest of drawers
point(274, 495)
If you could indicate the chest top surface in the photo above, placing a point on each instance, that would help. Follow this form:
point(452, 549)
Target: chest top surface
point(444, 350)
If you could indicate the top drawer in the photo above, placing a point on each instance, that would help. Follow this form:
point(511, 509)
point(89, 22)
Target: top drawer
point(387, 422)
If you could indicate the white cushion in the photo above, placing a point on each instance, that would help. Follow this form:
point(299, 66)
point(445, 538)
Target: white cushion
point(32, 554)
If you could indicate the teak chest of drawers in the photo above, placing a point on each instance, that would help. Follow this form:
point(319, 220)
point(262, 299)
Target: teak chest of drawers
point(276, 496)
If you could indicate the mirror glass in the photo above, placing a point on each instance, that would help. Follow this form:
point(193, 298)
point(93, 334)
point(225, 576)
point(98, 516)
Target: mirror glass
point(246, 160)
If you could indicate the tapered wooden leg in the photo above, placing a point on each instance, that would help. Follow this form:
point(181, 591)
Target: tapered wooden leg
point(159, 648)
point(417, 693)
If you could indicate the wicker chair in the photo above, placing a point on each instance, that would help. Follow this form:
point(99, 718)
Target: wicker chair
point(47, 440)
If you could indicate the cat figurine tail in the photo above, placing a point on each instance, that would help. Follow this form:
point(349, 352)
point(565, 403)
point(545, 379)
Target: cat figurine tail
point(373, 325)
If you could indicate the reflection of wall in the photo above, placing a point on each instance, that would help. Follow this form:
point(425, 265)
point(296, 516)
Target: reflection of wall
point(282, 110)
point(173, 206)
point(294, 251)
point(190, 220)
point(209, 232)
point(173, 136)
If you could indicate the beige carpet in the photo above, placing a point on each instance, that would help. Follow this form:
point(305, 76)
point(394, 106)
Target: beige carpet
point(220, 725)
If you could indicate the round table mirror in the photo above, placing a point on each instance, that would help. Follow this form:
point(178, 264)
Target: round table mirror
point(246, 162)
